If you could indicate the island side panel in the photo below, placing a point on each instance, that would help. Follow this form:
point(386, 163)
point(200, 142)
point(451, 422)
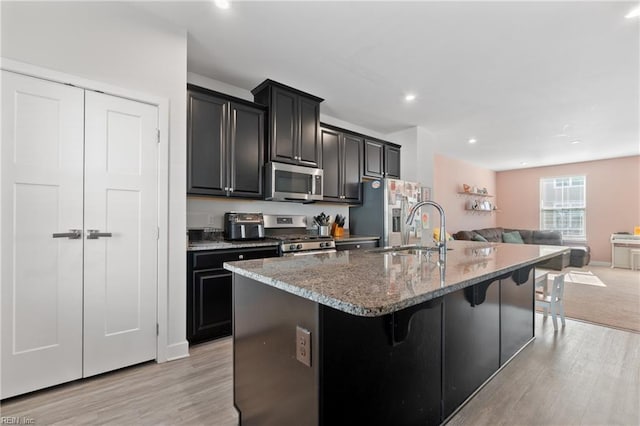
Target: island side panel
point(516, 312)
point(271, 387)
point(368, 379)
point(471, 341)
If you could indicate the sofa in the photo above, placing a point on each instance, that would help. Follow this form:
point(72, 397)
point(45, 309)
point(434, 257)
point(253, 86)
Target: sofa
point(579, 256)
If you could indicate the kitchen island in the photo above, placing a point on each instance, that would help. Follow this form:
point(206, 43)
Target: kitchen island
point(378, 337)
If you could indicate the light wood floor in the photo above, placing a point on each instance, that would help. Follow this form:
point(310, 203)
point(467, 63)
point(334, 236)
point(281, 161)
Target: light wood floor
point(582, 375)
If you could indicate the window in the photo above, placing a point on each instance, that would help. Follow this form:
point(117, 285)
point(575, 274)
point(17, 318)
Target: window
point(563, 206)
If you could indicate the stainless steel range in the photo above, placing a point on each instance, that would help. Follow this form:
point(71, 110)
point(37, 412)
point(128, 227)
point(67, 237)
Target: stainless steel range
point(294, 237)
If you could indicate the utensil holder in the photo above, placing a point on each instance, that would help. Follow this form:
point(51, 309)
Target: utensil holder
point(323, 230)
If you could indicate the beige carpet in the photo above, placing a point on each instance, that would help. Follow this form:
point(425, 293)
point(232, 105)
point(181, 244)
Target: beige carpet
point(617, 304)
point(580, 277)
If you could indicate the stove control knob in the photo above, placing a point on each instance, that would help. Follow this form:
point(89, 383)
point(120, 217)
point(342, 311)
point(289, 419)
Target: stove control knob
point(324, 244)
point(292, 247)
point(299, 246)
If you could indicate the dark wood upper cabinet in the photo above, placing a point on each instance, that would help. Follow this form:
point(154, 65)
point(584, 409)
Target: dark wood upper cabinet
point(392, 161)
point(373, 159)
point(381, 159)
point(294, 124)
point(342, 162)
point(225, 145)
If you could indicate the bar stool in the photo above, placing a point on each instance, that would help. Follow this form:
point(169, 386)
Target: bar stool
point(634, 259)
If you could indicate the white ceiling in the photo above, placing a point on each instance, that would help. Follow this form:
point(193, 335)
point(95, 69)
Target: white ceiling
point(523, 78)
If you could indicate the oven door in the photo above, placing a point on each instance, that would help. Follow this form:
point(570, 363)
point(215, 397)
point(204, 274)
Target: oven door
point(286, 182)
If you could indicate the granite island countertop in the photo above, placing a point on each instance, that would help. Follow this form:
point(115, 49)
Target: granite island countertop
point(224, 244)
point(370, 283)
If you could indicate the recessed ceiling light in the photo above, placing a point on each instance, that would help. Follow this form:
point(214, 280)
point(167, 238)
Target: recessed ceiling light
point(634, 13)
point(575, 142)
point(222, 4)
point(409, 97)
point(523, 163)
point(472, 141)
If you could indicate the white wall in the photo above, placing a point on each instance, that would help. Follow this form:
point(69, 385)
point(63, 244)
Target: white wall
point(417, 154)
point(115, 43)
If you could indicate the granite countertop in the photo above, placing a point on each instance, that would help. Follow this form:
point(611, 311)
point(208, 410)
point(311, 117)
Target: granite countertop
point(220, 245)
point(354, 238)
point(367, 283)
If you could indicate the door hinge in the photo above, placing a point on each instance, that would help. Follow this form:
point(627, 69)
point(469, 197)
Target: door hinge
point(157, 329)
point(158, 135)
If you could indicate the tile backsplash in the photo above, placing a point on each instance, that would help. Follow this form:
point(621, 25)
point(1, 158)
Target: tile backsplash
point(209, 212)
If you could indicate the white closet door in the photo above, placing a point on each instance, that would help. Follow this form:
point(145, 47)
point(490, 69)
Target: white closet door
point(120, 278)
point(41, 192)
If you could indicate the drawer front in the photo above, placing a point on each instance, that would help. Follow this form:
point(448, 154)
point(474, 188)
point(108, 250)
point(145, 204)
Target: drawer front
point(357, 245)
point(215, 258)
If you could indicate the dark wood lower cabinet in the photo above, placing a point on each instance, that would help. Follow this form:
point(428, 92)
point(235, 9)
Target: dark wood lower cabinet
point(471, 341)
point(209, 295)
point(414, 366)
point(516, 313)
point(368, 379)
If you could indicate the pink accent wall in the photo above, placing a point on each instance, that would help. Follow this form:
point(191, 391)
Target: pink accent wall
point(613, 198)
point(448, 177)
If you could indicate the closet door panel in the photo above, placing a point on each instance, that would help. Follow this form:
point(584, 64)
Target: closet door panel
point(41, 192)
point(120, 279)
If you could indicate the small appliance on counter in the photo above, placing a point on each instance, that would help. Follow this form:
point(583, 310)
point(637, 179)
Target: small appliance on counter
point(243, 226)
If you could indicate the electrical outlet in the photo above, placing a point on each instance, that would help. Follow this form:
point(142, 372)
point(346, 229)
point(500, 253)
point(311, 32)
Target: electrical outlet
point(303, 346)
point(211, 220)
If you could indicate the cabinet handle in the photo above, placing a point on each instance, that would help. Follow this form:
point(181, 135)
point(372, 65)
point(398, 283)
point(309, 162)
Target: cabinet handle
point(230, 189)
point(94, 234)
point(241, 256)
point(73, 234)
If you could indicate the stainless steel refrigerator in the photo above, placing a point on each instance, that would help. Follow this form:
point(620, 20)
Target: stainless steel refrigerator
point(382, 212)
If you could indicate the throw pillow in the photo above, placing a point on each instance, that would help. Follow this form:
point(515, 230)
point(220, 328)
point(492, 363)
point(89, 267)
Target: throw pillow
point(478, 237)
point(512, 237)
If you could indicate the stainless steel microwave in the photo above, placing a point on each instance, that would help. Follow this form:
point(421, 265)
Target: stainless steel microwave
point(286, 182)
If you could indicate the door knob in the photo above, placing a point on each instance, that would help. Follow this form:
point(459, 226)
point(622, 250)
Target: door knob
point(73, 234)
point(94, 234)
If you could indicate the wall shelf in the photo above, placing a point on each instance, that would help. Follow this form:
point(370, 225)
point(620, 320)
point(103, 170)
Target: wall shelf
point(475, 194)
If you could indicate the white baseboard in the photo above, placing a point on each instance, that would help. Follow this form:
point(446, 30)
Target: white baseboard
point(598, 263)
point(177, 351)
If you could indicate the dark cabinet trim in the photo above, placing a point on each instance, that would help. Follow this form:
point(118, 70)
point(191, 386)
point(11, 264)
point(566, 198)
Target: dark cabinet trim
point(225, 147)
point(346, 150)
point(209, 290)
point(388, 161)
point(294, 124)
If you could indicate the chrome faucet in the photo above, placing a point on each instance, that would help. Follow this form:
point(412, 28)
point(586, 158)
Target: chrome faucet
point(442, 244)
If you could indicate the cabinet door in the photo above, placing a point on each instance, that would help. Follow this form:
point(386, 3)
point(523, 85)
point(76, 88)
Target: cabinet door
point(471, 342)
point(309, 148)
point(516, 312)
point(206, 137)
point(352, 164)
point(284, 126)
point(391, 162)
point(332, 188)
point(373, 159)
point(247, 146)
point(211, 315)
